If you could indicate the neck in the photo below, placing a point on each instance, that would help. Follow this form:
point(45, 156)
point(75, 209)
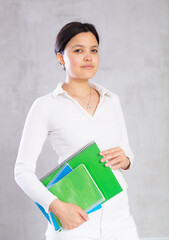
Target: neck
point(79, 87)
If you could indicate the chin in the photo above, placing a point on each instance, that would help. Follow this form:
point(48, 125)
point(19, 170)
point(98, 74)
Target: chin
point(87, 74)
point(83, 75)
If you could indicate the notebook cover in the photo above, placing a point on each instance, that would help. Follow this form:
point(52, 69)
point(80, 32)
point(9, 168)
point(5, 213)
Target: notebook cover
point(62, 173)
point(90, 157)
point(74, 188)
point(51, 217)
point(78, 187)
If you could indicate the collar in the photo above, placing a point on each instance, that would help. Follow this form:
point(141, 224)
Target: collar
point(102, 90)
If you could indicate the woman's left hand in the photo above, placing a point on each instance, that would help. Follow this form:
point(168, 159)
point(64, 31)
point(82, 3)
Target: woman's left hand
point(116, 158)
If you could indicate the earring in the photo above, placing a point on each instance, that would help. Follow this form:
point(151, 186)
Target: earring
point(63, 66)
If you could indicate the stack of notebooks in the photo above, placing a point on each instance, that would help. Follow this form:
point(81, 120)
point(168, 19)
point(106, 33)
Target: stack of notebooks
point(82, 180)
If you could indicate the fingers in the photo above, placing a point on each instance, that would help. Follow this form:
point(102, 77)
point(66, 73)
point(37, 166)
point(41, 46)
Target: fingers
point(72, 216)
point(70, 226)
point(119, 162)
point(111, 150)
point(114, 161)
point(84, 215)
point(112, 155)
point(75, 222)
point(78, 219)
point(116, 166)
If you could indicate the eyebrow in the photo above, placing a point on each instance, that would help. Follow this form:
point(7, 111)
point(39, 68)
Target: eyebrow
point(83, 46)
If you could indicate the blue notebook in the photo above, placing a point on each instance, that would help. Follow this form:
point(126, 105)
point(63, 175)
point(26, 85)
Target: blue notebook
point(66, 169)
point(62, 173)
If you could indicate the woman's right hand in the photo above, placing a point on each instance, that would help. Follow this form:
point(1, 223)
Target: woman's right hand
point(69, 214)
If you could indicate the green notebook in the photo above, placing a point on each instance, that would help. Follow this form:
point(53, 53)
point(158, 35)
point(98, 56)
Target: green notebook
point(78, 187)
point(103, 176)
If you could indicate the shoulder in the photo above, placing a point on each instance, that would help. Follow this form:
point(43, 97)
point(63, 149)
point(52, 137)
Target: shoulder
point(43, 104)
point(45, 100)
point(115, 98)
point(112, 95)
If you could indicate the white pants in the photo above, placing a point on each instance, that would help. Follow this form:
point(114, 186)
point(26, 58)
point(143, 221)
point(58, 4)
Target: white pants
point(112, 222)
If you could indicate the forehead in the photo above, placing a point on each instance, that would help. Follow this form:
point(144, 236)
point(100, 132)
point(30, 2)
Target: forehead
point(84, 38)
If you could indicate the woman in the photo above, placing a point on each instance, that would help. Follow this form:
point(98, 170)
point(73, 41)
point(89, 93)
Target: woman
point(72, 115)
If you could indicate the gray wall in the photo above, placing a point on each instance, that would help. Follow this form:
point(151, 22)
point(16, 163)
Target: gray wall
point(134, 52)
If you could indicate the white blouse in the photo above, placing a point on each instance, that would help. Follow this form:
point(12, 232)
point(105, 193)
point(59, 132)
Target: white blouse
point(69, 127)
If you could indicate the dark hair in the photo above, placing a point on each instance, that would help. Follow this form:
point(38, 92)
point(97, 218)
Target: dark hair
point(70, 30)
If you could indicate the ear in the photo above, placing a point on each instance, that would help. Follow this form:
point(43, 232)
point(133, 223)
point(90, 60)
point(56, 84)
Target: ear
point(60, 58)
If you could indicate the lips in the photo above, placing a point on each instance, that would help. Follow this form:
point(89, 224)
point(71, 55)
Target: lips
point(88, 66)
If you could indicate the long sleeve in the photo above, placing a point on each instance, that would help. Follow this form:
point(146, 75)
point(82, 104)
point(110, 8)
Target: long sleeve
point(33, 137)
point(124, 144)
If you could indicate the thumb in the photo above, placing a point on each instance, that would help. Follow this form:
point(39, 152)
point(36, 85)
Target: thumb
point(84, 215)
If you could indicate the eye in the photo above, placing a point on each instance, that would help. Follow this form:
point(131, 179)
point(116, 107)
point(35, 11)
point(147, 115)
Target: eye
point(95, 50)
point(77, 50)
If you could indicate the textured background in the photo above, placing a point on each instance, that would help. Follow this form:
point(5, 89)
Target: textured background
point(134, 63)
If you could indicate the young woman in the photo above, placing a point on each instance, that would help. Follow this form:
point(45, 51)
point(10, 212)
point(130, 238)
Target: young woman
point(72, 115)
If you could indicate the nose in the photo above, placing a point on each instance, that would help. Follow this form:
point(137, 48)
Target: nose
point(87, 56)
